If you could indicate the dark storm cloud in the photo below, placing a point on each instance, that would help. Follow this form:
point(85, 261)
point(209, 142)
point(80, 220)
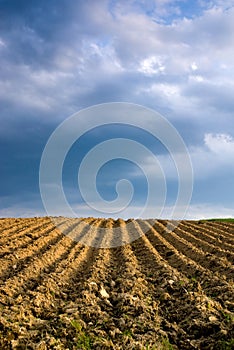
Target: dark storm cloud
point(35, 32)
point(57, 57)
point(32, 29)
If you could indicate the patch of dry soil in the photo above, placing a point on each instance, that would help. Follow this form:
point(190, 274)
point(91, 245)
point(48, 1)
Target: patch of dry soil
point(166, 290)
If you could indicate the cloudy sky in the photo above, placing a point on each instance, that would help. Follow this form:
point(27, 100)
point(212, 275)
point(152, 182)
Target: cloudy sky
point(175, 57)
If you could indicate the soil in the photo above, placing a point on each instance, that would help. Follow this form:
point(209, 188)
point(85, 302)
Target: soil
point(169, 289)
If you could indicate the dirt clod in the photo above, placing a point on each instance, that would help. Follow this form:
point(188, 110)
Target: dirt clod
point(165, 290)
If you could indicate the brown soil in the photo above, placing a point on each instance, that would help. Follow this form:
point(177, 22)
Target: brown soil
point(166, 290)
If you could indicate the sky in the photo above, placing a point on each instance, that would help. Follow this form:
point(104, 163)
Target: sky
point(174, 57)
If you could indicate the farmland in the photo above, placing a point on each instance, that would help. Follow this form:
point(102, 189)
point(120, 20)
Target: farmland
point(168, 289)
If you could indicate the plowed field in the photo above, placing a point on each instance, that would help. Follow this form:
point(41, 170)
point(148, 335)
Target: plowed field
point(166, 290)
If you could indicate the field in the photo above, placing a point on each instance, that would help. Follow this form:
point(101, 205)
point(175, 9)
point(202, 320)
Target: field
point(166, 290)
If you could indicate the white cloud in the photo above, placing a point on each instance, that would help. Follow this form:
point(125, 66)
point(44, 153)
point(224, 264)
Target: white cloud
point(220, 144)
point(151, 65)
point(184, 65)
point(19, 211)
point(2, 43)
point(192, 212)
point(20, 206)
point(208, 211)
point(216, 155)
point(224, 4)
point(194, 66)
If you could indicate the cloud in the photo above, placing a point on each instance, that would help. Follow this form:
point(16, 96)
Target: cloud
point(116, 52)
point(215, 156)
point(208, 211)
point(173, 56)
point(21, 205)
point(221, 144)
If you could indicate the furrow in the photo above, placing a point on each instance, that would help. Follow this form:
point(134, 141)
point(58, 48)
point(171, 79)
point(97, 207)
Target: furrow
point(207, 248)
point(96, 268)
point(25, 242)
point(28, 276)
point(17, 259)
point(177, 294)
point(168, 286)
point(7, 225)
point(78, 264)
point(207, 236)
point(215, 241)
point(210, 282)
point(19, 233)
point(147, 252)
point(60, 291)
point(211, 235)
point(78, 277)
point(214, 264)
point(226, 229)
point(133, 308)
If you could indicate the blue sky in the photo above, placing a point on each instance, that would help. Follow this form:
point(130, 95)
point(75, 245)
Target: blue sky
point(58, 57)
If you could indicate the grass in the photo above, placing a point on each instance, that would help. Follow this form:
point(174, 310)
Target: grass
point(227, 345)
point(166, 345)
point(163, 344)
point(83, 340)
point(127, 333)
point(231, 220)
point(228, 317)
